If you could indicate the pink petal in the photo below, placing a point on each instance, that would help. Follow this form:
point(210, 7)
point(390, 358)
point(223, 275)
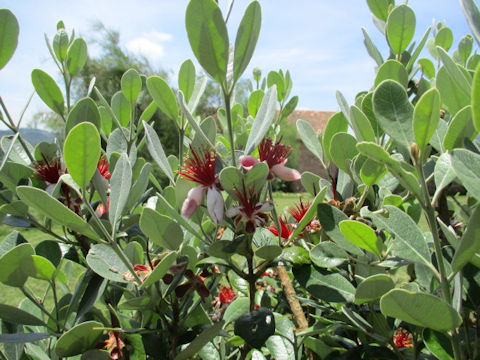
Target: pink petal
point(194, 198)
point(248, 161)
point(215, 205)
point(263, 206)
point(285, 173)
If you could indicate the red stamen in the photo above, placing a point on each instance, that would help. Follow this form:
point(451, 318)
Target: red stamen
point(273, 154)
point(49, 171)
point(102, 167)
point(200, 167)
point(298, 211)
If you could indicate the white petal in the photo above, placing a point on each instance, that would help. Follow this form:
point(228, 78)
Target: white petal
point(233, 211)
point(194, 198)
point(264, 206)
point(285, 173)
point(215, 205)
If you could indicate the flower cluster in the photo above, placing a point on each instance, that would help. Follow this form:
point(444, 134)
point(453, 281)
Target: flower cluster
point(276, 156)
point(402, 339)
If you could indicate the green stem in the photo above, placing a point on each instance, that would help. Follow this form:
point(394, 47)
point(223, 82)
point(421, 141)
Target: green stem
point(40, 306)
point(226, 98)
point(181, 133)
point(125, 261)
point(55, 302)
point(361, 200)
point(432, 223)
point(14, 128)
point(108, 238)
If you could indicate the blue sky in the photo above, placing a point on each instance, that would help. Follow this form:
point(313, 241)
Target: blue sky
point(319, 41)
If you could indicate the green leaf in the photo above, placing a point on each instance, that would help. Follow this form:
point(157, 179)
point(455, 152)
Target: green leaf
point(466, 165)
point(380, 8)
point(409, 242)
point(343, 148)
point(455, 73)
point(60, 44)
point(103, 260)
point(459, 129)
point(371, 48)
point(472, 14)
point(16, 265)
point(476, 98)
point(156, 150)
point(82, 152)
point(309, 138)
point(417, 52)
point(43, 268)
point(372, 172)
point(163, 96)
point(394, 111)
point(85, 110)
point(263, 120)
point(237, 308)
point(470, 243)
point(400, 28)
point(268, 252)
point(281, 346)
point(8, 36)
point(328, 254)
point(361, 235)
point(79, 339)
point(392, 70)
point(10, 241)
point(160, 270)
point(48, 91)
point(311, 182)
point(254, 102)
point(373, 288)
point(247, 36)
point(186, 79)
point(329, 217)
point(427, 67)
point(444, 38)
point(426, 117)
point(296, 255)
point(188, 114)
point(275, 78)
point(121, 108)
point(106, 120)
point(139, 187)
point(420, 309)
point(438, 344)
point(120, 184)
point(310, 214)
point(208, 37)
point(55, 210)
point(76, 56)
point(324, 285)
point(131, 84)
point(361, 125)
point(450, 92)
point(443, 172)
point(160, 229)
point(336, 124)
point(255, 327)
point(15, 315)
point(23, 337)
point(198, 90)
point(199, 342)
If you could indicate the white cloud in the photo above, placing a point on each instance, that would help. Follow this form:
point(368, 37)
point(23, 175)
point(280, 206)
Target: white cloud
point(150, 44)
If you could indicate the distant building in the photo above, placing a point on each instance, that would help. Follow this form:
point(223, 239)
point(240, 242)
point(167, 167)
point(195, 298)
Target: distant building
point(306, 160)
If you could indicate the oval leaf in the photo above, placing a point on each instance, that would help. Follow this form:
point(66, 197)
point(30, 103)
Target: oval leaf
point(360, 235)
point(420, 309)
point(131, 84)
point(48, 91)
point(85, 110)
point(120, 184)
point(400, 28)
point(247, 36)
point(163, 96)
point(79, 339)
point(426, 117)
point(373, 288)
point(8, 36)
point(186, 79)
point(76, 56)
point(82, 152)
point(161, 229)
point(208, 37)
